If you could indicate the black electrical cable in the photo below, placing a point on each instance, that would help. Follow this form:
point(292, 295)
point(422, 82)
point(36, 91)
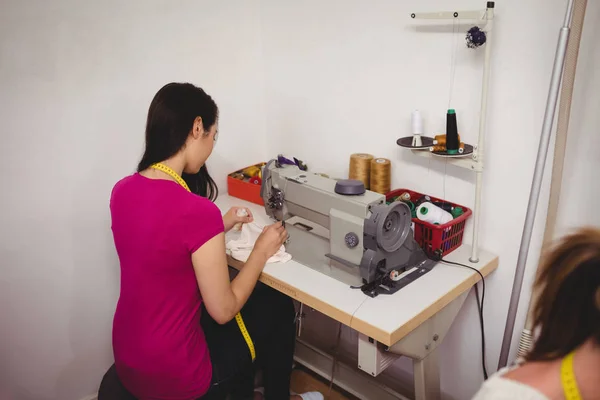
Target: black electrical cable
point(480, 308)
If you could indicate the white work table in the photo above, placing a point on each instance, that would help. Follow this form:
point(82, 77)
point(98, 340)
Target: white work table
point(423, 310)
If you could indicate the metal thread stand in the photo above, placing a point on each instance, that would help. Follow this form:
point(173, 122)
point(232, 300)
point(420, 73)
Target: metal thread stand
point(475, 162)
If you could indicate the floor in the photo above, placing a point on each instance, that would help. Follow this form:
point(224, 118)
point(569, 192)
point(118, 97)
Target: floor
point(305, 381)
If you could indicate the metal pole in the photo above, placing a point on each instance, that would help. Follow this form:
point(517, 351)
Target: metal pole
point(536, 185)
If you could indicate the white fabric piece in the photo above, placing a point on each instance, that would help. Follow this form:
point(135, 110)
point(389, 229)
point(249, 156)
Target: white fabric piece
point(241, 248)
point(312, 396)
point(241, 212)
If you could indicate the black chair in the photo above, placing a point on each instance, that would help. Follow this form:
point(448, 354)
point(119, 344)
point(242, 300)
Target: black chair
point(111, 388)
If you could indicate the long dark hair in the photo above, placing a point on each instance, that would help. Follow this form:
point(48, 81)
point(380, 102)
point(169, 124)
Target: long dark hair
point(170, 120)
point(567, 309)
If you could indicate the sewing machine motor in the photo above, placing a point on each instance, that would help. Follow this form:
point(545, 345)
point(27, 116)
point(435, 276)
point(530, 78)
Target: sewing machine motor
point(344, 231)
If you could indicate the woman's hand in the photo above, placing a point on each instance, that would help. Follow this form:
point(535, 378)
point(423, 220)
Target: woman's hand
point(237, 215)
point(270, 240)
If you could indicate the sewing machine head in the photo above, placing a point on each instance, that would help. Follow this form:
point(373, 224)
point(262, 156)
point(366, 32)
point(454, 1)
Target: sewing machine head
point(340, 229)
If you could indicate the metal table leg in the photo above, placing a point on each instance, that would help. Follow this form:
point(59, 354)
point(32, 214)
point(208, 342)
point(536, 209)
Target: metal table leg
point(427, 377)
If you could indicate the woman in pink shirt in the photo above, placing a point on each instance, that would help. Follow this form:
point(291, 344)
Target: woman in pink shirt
point(174, 332)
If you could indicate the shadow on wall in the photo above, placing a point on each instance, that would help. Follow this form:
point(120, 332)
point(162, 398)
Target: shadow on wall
point(94, 291)
point(4, 301)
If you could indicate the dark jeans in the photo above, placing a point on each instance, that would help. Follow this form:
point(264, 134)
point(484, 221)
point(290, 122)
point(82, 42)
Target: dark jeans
point(269, 318)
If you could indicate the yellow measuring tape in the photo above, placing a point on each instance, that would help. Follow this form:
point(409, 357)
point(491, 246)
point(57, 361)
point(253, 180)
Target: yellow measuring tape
point(238, 316)
point(567, 378)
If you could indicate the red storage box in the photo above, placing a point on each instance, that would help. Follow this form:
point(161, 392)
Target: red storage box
point(447, 237)
point(245, 189)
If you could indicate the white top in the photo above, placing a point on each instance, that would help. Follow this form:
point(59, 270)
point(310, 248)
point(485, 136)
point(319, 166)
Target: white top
point(499, 388)
point(417, 302)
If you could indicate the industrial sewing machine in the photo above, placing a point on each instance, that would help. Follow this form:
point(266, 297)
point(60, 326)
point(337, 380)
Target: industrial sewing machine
point(343, 230)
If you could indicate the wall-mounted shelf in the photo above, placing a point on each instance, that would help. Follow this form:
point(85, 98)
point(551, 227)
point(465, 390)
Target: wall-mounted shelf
point(466, 162)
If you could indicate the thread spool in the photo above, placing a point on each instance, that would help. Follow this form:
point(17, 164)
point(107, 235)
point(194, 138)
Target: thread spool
point(457, 212)
point(252, 171)
point(360, 168)
point(441, 148)
point(443, 205)
point(417, 128)
point(417, 123)
point(411, 206)
point(475, 37)
point(441, 140)
point(452, 140)
point(381, 175)
point(433, 214)
point(422, 200)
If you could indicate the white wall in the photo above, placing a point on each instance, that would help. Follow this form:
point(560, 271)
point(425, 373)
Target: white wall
point(77, 80)
point(343, 76)
point(322, 79)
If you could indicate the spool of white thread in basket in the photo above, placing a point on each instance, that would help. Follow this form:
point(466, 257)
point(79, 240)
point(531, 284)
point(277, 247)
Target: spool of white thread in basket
point(433, 214)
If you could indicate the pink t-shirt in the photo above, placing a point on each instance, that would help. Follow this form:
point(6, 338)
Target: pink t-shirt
point(159, 347)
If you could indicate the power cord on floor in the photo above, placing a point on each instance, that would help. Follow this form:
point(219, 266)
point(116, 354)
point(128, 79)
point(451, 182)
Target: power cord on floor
point(479, 307)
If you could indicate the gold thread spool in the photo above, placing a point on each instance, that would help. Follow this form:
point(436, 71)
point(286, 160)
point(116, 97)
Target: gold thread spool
point(360, 168)
point(381, 175)
point(441, 140)
point(437, 148)
point(238, 175)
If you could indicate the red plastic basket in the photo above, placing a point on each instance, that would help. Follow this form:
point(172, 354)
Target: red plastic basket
point(447, 237)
